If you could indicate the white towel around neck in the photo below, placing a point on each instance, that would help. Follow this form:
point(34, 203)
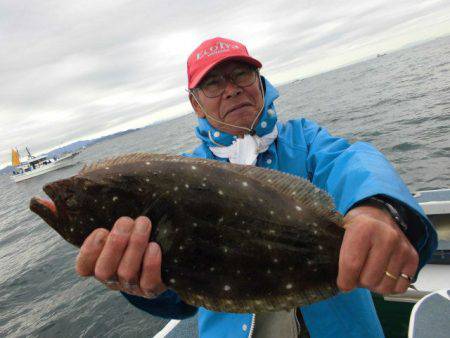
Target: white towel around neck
point(245, 150)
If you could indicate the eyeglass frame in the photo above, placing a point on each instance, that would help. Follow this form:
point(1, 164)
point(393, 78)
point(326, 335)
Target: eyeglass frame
point(226, 77)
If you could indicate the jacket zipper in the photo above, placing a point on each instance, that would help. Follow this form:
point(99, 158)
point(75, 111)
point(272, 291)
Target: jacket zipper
point(252, 326)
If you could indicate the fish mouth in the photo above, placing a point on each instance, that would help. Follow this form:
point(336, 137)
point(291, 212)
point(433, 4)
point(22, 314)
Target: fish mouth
point(46, 208)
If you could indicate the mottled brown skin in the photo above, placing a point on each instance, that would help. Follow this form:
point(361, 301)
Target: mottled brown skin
point(230, 242)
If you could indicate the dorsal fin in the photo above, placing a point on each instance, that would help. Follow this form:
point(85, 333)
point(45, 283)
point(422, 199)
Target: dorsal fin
point(111, 162)
point(299, 189)
point(140, 157)
point(128, 158)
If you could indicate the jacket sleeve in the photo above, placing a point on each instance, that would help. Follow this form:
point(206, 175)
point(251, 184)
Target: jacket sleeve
point(353, 172)
point(166, 305)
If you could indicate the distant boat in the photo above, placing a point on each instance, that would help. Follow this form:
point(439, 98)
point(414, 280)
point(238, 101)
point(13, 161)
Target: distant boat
point(379, 55)
point(35, 166)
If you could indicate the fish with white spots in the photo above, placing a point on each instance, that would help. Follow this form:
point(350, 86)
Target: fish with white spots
point(234, 238)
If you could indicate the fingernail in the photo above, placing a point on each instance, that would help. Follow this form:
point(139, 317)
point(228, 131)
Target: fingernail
point(141, 225)
point(153, 249)
point(123, 227)
point(99, 238)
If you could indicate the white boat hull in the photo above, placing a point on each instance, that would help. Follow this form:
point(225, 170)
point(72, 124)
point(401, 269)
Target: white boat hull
point(61, 163)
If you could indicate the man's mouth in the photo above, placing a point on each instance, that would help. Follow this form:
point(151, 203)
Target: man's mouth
point(238, 106)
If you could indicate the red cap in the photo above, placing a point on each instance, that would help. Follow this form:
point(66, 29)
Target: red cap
point(210, 53)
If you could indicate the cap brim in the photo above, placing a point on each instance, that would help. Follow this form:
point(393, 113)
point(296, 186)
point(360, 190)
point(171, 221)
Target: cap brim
point(196, 80)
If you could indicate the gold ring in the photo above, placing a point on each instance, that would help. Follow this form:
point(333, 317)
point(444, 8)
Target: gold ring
point(390, 275)
point(409, 278)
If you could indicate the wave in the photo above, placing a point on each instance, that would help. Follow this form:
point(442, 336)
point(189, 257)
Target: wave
point(394, 101)
point(444, 152)
point(442, 64)
point(406, 146)
point(445, 89)
point(415, 121)
point(389, 101)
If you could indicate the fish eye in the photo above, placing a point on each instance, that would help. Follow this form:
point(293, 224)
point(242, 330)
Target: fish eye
point(71, 202)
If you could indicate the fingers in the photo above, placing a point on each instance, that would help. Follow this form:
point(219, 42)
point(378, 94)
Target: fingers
point(381, 257)
point(404, 262)
point(150, 280)
point(408, 271)
point(113, 250)
point(90, 251)
point(130, 264)
point(123, 259)
point(374, 254)
point(353, 254)
point(388, 275)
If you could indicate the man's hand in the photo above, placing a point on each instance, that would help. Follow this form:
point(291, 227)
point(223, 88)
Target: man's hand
point(375, 253)
point(123, 259)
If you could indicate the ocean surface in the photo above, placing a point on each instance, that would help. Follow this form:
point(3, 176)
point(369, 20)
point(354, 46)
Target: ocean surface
point(400, 102)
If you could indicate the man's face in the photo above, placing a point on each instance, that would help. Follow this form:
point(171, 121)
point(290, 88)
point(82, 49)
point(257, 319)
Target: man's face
point(237, 105)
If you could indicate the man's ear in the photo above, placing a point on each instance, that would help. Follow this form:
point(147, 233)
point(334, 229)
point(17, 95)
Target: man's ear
point(196, 106)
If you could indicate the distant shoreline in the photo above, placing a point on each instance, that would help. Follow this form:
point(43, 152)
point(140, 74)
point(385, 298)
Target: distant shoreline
point(74, 147)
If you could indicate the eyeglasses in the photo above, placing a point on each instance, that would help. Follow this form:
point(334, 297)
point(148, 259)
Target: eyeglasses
point(214, 85)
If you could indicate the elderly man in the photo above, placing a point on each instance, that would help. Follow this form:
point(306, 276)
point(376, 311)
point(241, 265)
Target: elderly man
point(387, 236)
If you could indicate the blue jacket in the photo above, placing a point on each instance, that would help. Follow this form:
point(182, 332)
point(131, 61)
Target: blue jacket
point(349, 173)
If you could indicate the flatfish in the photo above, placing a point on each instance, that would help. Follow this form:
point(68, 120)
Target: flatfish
point(234, 238)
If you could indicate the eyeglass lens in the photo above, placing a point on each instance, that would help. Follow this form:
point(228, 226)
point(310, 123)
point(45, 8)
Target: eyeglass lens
point(215, 84)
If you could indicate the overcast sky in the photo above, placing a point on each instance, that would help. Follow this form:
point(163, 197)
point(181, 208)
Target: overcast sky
point(72, 70)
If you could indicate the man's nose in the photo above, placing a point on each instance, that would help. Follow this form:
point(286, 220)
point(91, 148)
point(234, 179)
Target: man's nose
point(231, 90)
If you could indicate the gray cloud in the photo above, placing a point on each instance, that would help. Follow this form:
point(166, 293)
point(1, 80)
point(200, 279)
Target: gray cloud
point(65, 63)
